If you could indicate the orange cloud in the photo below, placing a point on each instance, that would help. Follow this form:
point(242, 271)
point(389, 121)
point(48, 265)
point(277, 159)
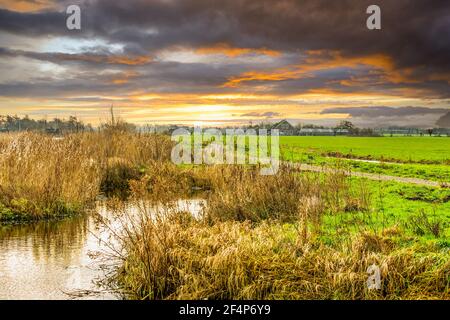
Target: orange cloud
point(323, 60)
point(278, 75)
point(226, 49)
point(27, 5)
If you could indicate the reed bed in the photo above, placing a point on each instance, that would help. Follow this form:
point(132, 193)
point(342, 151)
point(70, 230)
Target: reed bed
point(240, 193)
point(180, 258)
point(260, 238)
point(43, 176)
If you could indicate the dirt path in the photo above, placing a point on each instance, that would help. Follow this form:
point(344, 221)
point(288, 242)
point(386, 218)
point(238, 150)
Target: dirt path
point(372, 176)
point(367, 161)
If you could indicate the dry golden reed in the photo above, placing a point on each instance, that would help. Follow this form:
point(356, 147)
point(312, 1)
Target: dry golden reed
point(185, 259)
point(45, 176)
point(260, 239)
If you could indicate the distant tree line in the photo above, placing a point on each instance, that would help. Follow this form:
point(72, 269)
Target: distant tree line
point(349, 128)
point(355, 131)
point(14, 123)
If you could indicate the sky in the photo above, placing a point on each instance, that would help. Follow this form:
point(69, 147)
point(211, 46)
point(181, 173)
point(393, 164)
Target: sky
point(232, 62)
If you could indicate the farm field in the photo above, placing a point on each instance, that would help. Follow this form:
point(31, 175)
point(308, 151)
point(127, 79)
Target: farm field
point(413, 157)
point(410, 208)
point(390, 149)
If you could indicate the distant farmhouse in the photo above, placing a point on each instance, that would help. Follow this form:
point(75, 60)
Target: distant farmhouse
point(322, 132)
point(287, 129)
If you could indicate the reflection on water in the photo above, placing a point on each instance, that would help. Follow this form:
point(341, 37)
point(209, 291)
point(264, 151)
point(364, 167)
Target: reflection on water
point(49, 260)
point(56, 259)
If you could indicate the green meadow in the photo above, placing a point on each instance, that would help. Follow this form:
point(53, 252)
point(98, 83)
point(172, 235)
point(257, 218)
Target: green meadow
point(412, 157)
point(420, 213)
point(427, 150)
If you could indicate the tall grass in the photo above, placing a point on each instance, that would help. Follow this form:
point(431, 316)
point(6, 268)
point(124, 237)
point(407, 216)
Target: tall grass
point(241, 193)
point(180, 258)
point(260, 238)
point(43, 176)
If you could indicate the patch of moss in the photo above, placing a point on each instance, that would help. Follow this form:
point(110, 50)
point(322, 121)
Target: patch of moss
point(22, 210)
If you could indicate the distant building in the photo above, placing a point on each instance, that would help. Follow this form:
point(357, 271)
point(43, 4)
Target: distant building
point(285, 128)
point(315, 132)
point(341, 132)
point(323, 132)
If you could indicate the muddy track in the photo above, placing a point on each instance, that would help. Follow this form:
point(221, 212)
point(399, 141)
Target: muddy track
point(371, 176)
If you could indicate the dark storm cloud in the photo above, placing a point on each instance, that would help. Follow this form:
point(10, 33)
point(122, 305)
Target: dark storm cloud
point(90, 58)
point(53, 88)
point(90, 78)
point(382, 111)
point(34, 24)
point(414, 33)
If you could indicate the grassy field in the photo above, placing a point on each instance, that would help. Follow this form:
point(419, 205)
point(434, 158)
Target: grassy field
point(396, 149)
point(413, 157)
point(420, 213)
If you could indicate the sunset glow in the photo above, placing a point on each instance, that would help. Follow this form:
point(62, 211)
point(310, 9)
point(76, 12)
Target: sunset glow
point(158, 70)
